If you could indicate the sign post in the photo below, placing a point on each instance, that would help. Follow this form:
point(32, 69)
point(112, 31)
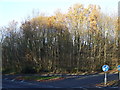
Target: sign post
point(118, 67)
point(105, 68)
point(105, 79)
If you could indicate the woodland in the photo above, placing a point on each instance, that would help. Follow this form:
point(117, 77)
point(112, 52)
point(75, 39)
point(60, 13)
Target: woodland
point(80, 40)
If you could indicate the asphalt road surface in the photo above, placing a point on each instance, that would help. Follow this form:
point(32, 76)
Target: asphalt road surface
point(74, 81)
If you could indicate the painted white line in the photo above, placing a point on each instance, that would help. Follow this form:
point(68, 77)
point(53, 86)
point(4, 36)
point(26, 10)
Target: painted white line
point(114, 87)
point(38, 85)
point(13, 80)
point(98, 87)
point(6, 78)
point(22, 81)
point(77, 87)
point(95, 75)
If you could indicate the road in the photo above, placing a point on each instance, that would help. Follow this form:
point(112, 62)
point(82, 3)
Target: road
point(75, 81)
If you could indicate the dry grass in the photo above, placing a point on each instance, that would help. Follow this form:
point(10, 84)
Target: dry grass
point(113, 83)
point(38, 78)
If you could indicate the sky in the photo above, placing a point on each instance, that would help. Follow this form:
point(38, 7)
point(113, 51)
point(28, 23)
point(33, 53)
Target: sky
point(19, 10)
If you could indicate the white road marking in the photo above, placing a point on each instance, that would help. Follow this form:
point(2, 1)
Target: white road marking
point(22, 81)
point(44, 86)
point(13, 80)
point(98, 87)
point(77, 87)
point(6, 78)
point(95, 75)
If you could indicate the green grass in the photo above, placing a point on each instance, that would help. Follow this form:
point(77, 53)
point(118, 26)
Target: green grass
point(36, 78)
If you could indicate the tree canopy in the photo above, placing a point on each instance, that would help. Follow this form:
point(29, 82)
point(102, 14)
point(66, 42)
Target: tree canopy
point(81, 40)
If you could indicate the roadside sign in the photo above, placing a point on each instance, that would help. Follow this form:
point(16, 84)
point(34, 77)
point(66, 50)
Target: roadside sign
point(118, 67)
point(105, 68)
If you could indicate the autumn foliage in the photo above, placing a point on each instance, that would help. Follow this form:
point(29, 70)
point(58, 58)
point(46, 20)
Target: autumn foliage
point(81, 40)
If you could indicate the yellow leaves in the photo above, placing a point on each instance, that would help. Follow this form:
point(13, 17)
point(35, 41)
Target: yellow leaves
point(76, 9)
point(93, 23)
point(51, 21)
point(77, 17)
point(93, 18)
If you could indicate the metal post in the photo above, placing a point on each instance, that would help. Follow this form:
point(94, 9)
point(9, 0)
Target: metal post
point(105, 80)
point(119, 75)
point(119, 79)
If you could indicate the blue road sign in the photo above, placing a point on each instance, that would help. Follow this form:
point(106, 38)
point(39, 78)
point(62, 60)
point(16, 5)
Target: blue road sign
point(118, 67)
point(105, 68)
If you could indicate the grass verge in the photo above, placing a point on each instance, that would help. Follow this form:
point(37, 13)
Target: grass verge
point(38, 78)
point(113, 83)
